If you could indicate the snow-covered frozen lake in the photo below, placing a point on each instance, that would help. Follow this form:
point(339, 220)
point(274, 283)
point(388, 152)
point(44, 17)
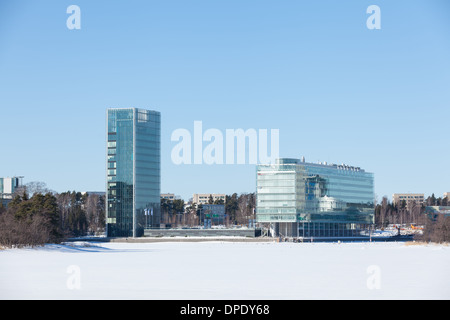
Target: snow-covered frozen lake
point(227, 270)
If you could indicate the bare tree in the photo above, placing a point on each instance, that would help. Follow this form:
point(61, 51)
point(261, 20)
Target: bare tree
point(37, 187)
point(64, 204)
point(192, 218)
point(384, 211)
point(94, 207)
point(245, 209)
point(437, 229)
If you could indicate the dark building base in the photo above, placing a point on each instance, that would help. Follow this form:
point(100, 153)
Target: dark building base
point(252, 233)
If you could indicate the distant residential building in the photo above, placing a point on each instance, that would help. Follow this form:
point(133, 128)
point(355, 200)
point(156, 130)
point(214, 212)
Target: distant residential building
point(7, 188)
point(203, 198)
point(409, 198)
point(447, 195)
point(168, 196)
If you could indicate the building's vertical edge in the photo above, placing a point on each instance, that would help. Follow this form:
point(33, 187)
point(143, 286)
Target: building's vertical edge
point(106, 175)
point(134, 172)
point(374, 198)
point(158, 115)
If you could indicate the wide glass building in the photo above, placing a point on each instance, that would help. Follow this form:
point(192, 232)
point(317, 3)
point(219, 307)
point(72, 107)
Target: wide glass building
point(133, 171)
point(301, 199)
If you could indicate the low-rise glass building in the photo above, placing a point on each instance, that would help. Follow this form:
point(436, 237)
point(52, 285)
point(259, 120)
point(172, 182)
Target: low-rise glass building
point(212, 214)
point(301, 199)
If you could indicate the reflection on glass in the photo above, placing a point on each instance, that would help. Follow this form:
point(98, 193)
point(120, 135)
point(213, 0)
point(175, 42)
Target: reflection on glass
point(133, 171)
point(330, 199)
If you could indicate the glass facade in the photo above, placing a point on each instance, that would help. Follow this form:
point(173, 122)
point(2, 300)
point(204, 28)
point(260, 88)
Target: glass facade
point(306, 199)
point(133, 171)
point(212, 214)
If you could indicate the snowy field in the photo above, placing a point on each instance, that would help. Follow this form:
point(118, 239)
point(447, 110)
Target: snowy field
point(226, 270)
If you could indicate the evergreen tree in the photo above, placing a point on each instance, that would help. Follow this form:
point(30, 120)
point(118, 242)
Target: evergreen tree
point(30, 222)
point(431, 201)
point(178, 206)
point(231, 207)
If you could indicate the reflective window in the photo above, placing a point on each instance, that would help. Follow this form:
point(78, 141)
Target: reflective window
point(133, 173)
point(315, 192)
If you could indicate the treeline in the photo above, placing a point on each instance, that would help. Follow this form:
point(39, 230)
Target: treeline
point(436, 227)
point(387, 213)
point(30, 222)
point(81, 214)
point(50, 218)
point(239, 209)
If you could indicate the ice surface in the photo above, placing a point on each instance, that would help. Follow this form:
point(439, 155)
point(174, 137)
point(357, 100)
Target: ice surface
point(227, 270)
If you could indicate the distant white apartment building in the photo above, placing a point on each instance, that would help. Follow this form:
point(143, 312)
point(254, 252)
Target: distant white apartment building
point(7, 188)
point(168, 196)
point(203, 198)
point(447, 195)
point(409, 198)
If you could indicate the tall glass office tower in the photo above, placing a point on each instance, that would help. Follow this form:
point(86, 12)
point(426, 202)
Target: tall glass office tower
point(301, 199)
point(133, 171)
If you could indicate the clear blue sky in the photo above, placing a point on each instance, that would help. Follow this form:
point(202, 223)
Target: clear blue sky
point(337, 91)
